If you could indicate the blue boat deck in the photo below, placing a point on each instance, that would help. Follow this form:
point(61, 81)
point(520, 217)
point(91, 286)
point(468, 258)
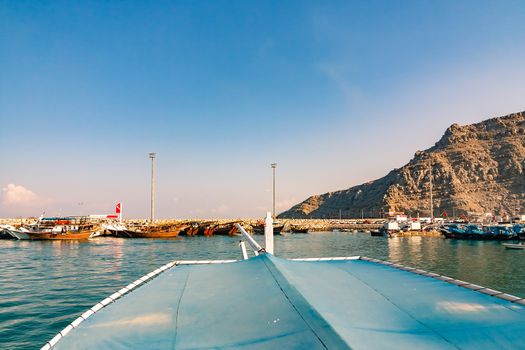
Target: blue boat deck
point(273, 303)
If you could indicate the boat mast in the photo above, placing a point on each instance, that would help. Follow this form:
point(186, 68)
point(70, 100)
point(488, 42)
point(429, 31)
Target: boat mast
point(152, 157)
point(274, 165)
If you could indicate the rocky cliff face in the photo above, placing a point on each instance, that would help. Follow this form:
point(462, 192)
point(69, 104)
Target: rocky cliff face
point(476, 168)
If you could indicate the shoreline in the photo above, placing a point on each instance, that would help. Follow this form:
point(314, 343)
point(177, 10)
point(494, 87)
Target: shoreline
point(313, 225)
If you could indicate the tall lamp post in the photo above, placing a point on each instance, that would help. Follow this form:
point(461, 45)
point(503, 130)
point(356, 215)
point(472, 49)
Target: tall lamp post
point(431, 194)
point(152, 156)
point(274, 165)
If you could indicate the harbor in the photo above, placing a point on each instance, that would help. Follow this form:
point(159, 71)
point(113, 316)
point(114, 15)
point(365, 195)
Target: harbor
point(58, 270)
point(99, 225)
point(262, 175)
point(210, 227)
point(390, 241)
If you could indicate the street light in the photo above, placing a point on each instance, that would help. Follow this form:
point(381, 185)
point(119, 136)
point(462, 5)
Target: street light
point(274, 165)
point(431, 194)
point(152, 156)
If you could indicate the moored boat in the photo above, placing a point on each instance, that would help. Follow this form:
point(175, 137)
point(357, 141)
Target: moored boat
point(4, 232)
point(479, 232)
point(208, 231)
point(258, 229)
point(63, 233)
point(519, 229)
point(18, 233)
point(514, 246)
point(503, 232)
point(377, 233)
point(390, 229)
point(227, 229)
point(155, 231)
point(191, 230)
point(115, 229)
point(299, 228)
point(58, 228)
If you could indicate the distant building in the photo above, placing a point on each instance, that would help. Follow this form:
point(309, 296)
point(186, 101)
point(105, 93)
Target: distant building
point(398, 216)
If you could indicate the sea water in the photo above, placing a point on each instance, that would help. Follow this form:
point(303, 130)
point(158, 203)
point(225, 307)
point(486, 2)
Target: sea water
point(45, 285)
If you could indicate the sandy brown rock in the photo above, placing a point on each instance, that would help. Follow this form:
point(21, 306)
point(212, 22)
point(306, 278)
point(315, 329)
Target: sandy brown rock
point(476, 168)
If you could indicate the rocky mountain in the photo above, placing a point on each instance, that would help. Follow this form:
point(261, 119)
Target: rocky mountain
point(476, 168)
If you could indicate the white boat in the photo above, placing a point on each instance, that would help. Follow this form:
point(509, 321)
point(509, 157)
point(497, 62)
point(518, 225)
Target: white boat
point(4, 231)
point(514, 245)
point(116, 229)
point(20, 233)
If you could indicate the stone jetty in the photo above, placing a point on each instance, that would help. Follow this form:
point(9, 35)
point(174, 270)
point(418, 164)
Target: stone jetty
point(313, 225)
point(226, 226)
point(211, 227)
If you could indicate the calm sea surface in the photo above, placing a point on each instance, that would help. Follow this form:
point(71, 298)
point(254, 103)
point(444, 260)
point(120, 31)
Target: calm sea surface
point(46, 285)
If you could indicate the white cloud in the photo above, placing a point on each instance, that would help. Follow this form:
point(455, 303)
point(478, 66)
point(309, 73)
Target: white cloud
point(18, 195)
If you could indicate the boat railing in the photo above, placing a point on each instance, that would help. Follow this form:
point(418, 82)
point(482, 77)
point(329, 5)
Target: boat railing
point(257, 249)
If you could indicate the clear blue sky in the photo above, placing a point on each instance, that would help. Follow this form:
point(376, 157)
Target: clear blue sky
point(337, 93)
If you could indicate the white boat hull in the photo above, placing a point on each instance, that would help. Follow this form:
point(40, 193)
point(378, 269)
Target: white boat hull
point(18, 234)
point(514, 246)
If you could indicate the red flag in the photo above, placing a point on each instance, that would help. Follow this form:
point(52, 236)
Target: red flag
point(117, 208)
point(445, 215)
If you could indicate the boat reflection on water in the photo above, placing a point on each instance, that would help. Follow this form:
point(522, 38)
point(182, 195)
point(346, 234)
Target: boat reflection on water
point(401, 247)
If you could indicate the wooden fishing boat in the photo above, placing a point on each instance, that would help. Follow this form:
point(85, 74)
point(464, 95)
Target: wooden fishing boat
point(60, 232)
point(258, 229)
point(201, 228)
point(227, 229)
point(155, 231)
point(209, 230)
point(60, 236)
point(299, 228)
point(191, 230)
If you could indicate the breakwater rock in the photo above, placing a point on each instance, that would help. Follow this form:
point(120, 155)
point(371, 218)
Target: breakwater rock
point(211, 227)
point(206, 227)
